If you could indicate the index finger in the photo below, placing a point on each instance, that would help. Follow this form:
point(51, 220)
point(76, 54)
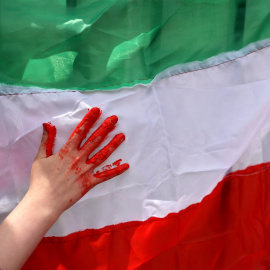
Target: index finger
point(83, 127)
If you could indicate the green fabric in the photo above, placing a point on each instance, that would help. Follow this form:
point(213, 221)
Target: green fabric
point(106, 44)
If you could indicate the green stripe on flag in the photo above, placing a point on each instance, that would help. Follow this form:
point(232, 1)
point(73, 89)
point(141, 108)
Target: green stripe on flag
point(98, 44)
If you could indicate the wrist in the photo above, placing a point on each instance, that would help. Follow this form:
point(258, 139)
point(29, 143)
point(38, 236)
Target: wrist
point(43, 207)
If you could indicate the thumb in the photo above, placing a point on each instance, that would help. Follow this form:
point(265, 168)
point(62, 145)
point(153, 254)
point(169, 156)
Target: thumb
point(47, 141)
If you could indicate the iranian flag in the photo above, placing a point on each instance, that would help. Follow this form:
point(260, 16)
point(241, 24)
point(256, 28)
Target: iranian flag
point(190, 83)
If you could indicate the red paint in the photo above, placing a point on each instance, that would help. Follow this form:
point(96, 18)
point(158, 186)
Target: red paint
point(64, 151)
point(51, 130)
point(99, 158)
point(117, 163)
point(87, 179)
point(105, 152)
point(82, 129)
point(78, 170)
point(86, 123)
point(113, 172)
point(86, 184)
point(76, 162)
point(110, 166)
point(100, 134)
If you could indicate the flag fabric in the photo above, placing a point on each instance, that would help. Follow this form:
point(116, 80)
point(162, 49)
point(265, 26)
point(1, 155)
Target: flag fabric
point(189, 82)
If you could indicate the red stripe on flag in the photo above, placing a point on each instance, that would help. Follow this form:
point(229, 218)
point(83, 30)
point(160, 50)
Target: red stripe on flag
point(229, 229)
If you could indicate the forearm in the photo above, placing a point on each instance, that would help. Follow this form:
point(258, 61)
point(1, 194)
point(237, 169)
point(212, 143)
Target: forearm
point(22, 230)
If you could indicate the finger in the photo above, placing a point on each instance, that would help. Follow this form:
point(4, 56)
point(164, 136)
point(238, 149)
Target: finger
point(47, 141)
point(106, 175)
point(82, 129)
point(51, 130)
point(106, 151)
point(87, 181)
point(110, 166)
point(99, 135)
point(42, 148)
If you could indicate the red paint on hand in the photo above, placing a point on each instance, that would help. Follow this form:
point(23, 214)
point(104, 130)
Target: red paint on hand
point(86, 184)
point(100, 134)
point(74, 165)
point(105, 152)
point(113, 172)
point(98, 159)
point(51, 130)
point(110, 166)
point(63, 152)
point(86, 123)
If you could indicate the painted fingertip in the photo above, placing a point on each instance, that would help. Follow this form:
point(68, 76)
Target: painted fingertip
point(50, 138)
point(112, 119)
point(95, 111)
point(120, 137)
point(125, 166)
point(48, 127)
point(122, 168)
point(44, 127)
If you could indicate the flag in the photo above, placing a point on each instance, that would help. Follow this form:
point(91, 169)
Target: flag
point(189, 82)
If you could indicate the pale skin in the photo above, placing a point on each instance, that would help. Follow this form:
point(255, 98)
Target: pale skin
point(56, 182)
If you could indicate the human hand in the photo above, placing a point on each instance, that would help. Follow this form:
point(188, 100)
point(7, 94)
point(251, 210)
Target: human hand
point(58, 181)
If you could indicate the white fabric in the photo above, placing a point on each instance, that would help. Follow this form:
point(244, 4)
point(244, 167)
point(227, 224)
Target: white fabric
point(248, 59)
point(180, 141)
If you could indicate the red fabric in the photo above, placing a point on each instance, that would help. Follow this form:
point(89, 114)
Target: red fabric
point(229, 229)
